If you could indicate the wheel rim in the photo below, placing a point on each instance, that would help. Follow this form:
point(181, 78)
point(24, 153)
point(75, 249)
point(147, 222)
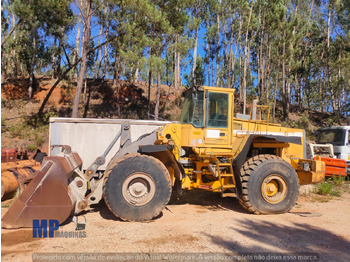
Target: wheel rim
point(138, 189)
point(274, 189)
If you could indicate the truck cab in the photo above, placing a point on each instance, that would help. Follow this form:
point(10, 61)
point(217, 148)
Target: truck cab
point(339, 137)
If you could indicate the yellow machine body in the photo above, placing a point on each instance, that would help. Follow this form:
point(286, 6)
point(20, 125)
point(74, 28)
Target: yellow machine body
point(208, 142)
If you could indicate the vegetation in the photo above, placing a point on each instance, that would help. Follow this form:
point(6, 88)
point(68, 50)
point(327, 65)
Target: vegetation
point(332, 187)
point(292, 51)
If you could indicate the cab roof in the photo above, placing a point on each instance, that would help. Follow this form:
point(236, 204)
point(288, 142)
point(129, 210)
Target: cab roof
point(217, 89)
point(334, 127)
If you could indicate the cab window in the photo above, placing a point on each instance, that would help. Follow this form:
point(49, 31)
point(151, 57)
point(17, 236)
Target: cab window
point(192, 111)
point(217, 110)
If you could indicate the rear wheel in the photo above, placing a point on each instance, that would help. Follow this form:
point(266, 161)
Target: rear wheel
point(137, 188)
point(270, 185)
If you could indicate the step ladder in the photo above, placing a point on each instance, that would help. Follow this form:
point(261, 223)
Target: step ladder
point(223, 175)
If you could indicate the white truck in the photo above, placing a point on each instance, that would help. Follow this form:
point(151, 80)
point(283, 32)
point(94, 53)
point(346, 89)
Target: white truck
point(339, 137)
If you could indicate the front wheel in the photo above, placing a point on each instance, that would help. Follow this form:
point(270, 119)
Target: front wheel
point(137, 188)
point(270, 185)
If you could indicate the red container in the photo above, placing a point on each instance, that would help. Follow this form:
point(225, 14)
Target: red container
point(8, 155)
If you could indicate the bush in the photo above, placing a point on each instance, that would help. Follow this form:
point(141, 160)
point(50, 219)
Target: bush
point(338, 180)
point(3, 125)
point(3, 102)
point(32, 148)
point(302, 123)
point(323, 188)
point(39, 140)
point(332, 186)
point(16, 130)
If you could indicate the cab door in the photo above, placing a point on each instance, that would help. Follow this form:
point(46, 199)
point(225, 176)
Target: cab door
point(218, 117)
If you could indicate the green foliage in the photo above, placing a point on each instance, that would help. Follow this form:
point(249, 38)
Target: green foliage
point(3, 125)
point(302, 123)
point(17, 130)
point(338, 180)
point(291, 51)
point(3, 102)
point(37, 21)
point(324, 188)
point(46, 117)
point(332, 186)
point(24, 130)
point(32, 148)
point(199, 73)
point(39, 139)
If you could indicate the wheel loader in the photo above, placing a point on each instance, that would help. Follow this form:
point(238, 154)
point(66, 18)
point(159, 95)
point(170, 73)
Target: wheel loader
point(211, 148)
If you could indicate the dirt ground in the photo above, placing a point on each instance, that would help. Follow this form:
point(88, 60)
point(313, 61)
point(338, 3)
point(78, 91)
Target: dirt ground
point(203, 222)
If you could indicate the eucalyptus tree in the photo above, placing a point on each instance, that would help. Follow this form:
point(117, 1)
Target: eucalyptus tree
point(37, 22)
point(87, 14)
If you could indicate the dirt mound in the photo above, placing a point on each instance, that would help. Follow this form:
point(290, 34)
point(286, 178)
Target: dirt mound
point(98, 100)
point(18, 90)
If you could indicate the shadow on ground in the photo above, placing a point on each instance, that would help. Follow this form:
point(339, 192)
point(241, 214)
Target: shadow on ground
point(298, 239)
point(210, 200)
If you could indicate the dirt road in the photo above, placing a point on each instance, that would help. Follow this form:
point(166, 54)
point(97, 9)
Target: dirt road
point(203, 222)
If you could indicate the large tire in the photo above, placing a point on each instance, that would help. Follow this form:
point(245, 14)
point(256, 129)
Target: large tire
point(137, 188)
point(270, 185)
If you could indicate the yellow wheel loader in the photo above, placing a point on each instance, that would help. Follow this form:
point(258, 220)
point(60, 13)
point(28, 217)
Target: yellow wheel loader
point(212, 148)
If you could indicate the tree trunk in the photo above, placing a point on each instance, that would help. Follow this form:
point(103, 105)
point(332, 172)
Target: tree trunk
point(245, 63)
point(77, 41)
point(268, 72)
point(99, 55)
point(230, 58)
point(284, 91)
point(115, 82)
point(209, 55)
point(259, 58)
point(275, 93)
point(136, 75)
point(54, 60)
point(31, 72)
point(14, 54)
point(149, 92)
point(195, 56)
point(105, 54)
point(235, 54)
point(59, 53)
point(329, 78)
point(85, 47)
point(4, 63)
point(342, 97)
point(156, 110)
point(176, 69)
point(245, 77)
point(179, 75)
point(217, 46)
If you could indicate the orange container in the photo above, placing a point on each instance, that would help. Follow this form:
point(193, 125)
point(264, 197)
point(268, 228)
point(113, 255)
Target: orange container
point(334, 166)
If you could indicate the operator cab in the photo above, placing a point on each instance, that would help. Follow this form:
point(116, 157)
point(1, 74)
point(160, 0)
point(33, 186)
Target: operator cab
point(207, 112)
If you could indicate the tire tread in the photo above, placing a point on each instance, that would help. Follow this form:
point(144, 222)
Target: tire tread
point(136, 156)
point(248, 167)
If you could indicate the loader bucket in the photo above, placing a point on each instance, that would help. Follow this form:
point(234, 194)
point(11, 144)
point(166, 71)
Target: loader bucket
point(47, 195)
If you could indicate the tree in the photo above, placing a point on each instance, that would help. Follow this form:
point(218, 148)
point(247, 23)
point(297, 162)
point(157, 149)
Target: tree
point(39, 20)
point(84, 56)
